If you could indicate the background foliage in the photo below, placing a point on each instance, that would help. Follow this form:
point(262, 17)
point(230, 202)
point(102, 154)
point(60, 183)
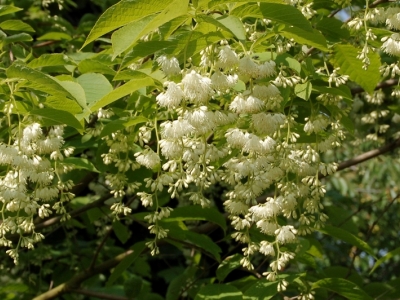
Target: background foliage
point(63, 61)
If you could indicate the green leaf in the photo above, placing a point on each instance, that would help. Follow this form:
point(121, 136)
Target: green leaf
point(49, 60)
point(385, 258)
point(196, 212)
point(81, 163)
point(147, 48)
point(345, 58)
point(342, 272)
point(261, 289)
point(22, 107)
point(285, 14)
point(14, 287)
point(121, 231)
point(123, 38)
point(76, 90)
point(19, 37)
point(314, 38)
point(380, 290)
point(126, 36)
point(198, 41)
point(231, 24)
point(303, 90)
point(168, 28)
point(133, 286)
point(8, 9)
point(96, 86)
point(340, 216)
point(123, 13)
point(179, 232)
point(16, 25)
point(131, 74)
point(55, 36)
point(228, 265)
point(333, 29)
point(308, 260)
point(284, 58)
point(342, 287)
point(94, 66)
point(138, 248)
point(122, 91)
point(214, 3)
point(151, 296)
point(347, 237)
point(348, 123)
point(58, 116)
point(219, 291)
point(342, 91)
point(315, 247)
point(37, 80)
point(204, 242)
point(235, 26)
point(115, 125)
point(94, 214)
point(179, 283)
point(62, 103)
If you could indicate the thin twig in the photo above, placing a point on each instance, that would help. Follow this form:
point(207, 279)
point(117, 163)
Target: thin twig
point(43, 44)
point(371, 228)
point(381, 85)
point(360, 207)
point(355, 251)
point(368, 155)
point(99, 247)
point(76, 280)
point(73, 213)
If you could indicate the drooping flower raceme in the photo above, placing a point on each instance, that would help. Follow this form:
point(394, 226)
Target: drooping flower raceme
point(32, 184)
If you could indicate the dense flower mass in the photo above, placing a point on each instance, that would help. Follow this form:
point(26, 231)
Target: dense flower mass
point(31, 184)
point(260, 153)
point(225, 100)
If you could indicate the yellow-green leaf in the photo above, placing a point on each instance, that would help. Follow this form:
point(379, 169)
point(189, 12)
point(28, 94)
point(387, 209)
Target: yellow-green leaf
point(122, 91)
point(345, 58)
point(16, 25)
point(123, 13)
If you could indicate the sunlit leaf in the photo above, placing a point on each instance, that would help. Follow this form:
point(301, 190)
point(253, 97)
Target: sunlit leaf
point(54, 36)
point(122, 91)
point(96, 86)
point(123, 38)
point(196, 212)
point(388, 256)
point(8, 9)
point(37, 80)
point(81, 163)
point(58, 117)
point(219, 291)
point(345, 58)
point(16, 25)
point(123, 13)
point(228, 265)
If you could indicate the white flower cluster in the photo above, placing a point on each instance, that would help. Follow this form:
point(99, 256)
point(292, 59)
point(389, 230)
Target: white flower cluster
point(391, 17)
point(60, 3)
point(262, 153)
point(31, 184)
point(225, 120)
